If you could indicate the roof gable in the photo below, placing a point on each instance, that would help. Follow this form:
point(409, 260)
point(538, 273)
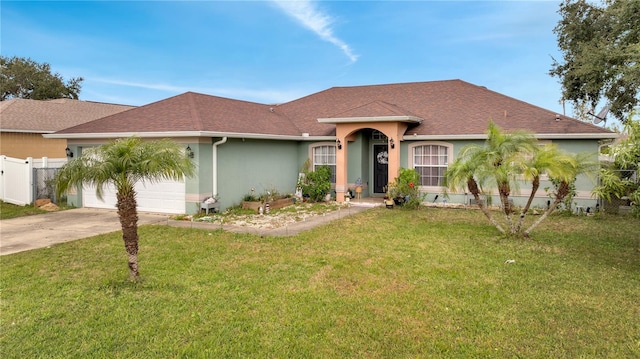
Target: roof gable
point(376, 108)
point(190, 112)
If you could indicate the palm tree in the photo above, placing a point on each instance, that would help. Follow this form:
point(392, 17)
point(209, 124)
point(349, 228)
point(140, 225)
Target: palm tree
point(506, 160)
point(503, 154)
point(497, 162)
point(464, 171)
point(547, 160)
point(565, 171)
point(122, 163)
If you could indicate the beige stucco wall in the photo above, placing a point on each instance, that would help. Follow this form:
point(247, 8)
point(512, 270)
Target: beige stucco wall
point(23, 145)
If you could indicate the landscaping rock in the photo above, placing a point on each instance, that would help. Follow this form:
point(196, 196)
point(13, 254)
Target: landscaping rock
point(42, 201)
point(49, 207)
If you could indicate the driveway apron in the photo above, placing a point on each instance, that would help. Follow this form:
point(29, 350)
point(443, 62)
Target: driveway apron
point(39, 231)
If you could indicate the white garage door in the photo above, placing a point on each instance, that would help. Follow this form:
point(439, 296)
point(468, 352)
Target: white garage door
point(164, 197)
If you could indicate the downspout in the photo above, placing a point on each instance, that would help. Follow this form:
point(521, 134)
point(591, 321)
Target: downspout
point(215, 164)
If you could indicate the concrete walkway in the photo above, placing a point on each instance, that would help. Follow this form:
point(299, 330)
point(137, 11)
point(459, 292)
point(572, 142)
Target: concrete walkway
point(44, 230)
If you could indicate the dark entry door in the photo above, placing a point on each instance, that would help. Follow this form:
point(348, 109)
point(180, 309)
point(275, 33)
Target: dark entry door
point(380, 168)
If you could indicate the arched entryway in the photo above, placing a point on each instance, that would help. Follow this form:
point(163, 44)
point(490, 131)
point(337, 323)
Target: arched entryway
point(393, 127)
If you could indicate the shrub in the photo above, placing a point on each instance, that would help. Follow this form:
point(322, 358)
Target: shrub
point(250, 197)
point(404, 189)
point(316, 184)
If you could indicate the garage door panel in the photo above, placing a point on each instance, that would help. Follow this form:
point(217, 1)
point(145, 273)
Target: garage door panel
point(163, 197)
point(90, 198)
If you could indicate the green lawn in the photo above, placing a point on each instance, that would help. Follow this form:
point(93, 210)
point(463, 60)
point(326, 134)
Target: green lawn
point(380, 284)
point(8, 210)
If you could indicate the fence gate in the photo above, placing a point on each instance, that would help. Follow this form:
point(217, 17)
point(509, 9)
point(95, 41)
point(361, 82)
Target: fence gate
point(15, 181)
point(44, 184)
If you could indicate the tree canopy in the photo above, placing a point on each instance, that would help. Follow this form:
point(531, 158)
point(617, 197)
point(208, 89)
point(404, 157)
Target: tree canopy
point(25, 78)
point(601, 54)
point(620, 178)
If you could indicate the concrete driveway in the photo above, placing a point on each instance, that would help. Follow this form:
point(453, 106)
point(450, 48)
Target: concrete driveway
point(43, 230)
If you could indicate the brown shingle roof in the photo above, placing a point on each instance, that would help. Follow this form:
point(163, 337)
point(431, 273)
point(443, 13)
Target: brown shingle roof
point(452, 107)
point(52, 115)
point(195, 112)
point(374, 109)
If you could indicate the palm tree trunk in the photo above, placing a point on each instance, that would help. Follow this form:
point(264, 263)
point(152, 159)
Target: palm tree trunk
point(534, 188)
point(129, 222)
point(475, 191)
point(504, 191)
point(563, 191)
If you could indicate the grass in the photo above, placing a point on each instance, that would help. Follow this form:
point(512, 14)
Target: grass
point(8, 210)
point(379, 284)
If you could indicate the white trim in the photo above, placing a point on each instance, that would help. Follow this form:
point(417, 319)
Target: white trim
point(546, 136)
point(302, 137)
point(188, 134)
point(335, 120)
point(8, 130)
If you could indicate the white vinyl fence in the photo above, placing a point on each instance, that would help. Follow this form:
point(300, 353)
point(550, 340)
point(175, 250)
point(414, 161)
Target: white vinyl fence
point(16, 177)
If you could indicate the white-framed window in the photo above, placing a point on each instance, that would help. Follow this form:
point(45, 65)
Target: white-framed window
point(430, 160)
point(324, 154)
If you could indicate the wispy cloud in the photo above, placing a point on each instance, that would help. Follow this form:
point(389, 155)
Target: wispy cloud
point(257, 95)
point(148, 86)
point(310, 16)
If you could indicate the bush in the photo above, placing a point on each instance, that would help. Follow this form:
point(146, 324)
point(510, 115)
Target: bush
point(316, 184)
point(250, 197)
point(404, 189)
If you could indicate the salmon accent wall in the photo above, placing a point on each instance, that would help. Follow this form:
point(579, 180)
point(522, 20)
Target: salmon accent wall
point(394, 130)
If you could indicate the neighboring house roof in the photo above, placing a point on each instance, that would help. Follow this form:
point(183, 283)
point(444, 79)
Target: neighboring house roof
point(446, 108)
point(37, 116)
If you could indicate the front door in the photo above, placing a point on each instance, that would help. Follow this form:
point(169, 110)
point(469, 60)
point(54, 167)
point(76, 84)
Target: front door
point(380, 168)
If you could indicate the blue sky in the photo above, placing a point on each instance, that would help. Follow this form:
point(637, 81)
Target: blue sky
point(137, 52)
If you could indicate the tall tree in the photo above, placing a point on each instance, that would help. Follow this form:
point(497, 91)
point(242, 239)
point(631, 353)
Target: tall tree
point(601, 54)
point(507, 161)
point(123, 163)
point(622, 177)
point(25, 78)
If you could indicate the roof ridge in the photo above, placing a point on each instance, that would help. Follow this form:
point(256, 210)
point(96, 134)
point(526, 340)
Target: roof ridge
point(227, 98)
point(193, 110)
point(398, 84)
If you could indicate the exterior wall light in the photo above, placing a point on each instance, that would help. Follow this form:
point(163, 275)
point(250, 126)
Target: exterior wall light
point(392, 143)
point(339, 144)
point(190, 153)
point(69, 152)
